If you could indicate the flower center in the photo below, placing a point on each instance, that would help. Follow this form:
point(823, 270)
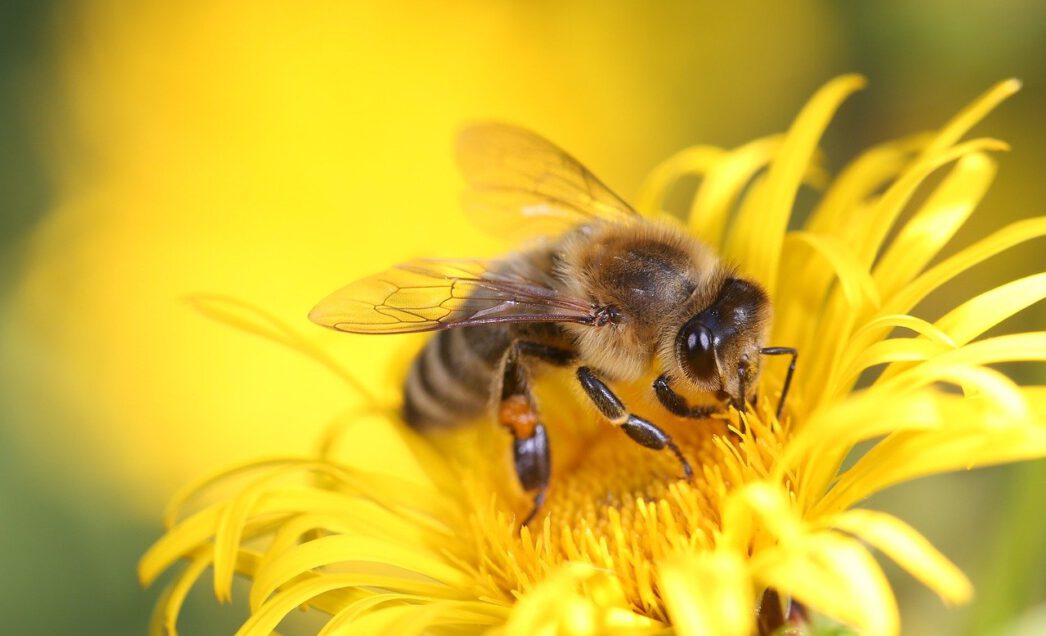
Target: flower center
point(613, 504)
point(614, 473)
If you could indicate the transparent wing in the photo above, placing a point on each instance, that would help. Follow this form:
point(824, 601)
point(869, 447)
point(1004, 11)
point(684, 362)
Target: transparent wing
point(426, 295)
point(523, 184)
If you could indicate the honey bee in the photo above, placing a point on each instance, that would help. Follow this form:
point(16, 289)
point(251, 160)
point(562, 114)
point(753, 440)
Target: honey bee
point(606, 292)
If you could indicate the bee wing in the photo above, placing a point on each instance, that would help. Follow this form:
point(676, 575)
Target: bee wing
point(427, 295)
point(523, 184)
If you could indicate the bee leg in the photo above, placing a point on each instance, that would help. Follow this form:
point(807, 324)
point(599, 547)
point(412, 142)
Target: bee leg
point(676, 404)
point(518, 414)
point(783, 351)
point(532, 467)
point(640, 430)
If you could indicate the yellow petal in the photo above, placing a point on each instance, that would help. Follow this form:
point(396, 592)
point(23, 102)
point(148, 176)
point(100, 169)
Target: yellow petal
point(164, 621)
point(854, 281)
point(936, 221)
point(884, 352)
point(968, 117)
point(692, 161)
point(833, 575)
point(265, 619)
point(181, 499)
point(760, 251)
point(867, 415)
point(931, 279)
point(929, 331)
point(1009, 348)
point(979, 314)
point(708, 593)
point(965, 443)
point(726, 180)
point(909, 549)
point(381, 621)
point(341, 549)
point(877, 225)
point(859, 180)
point(183, 540)
point(575, 598)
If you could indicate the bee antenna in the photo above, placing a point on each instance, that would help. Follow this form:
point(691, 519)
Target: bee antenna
point(783, 351)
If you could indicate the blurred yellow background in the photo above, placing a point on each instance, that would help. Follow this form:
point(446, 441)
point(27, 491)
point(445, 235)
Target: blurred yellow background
point(272, 153)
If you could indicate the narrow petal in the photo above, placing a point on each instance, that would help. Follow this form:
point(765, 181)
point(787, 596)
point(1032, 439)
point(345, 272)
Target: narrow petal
point(909, 549)
point(339, 549)
point(761, 250)
point(694, 161)
point(979, 314)
point(860, 180)
point(964, 444)
point(1018, 347)
point(726, 180)
point(804, 291)
point(936, 221)
point(267, 617)
point(884, 352)
point(915, 291)
point(929, 331)
point(906, 298)
point(833, 575)
point(972, 114)
point(867, 415)
point(854, 281)
point(870, 234)
point(165, 616)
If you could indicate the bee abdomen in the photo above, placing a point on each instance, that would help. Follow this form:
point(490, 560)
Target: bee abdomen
point(452, 379)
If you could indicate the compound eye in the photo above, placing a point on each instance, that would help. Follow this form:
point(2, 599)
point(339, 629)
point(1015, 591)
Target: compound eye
point(697, 352)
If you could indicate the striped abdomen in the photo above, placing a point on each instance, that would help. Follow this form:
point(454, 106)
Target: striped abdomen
point(452, 379)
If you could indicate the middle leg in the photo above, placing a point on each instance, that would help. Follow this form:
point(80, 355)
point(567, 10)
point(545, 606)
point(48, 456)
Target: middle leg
point(640, 430)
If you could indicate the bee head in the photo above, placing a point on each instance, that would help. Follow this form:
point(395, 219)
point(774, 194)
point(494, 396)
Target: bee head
point(718, 348)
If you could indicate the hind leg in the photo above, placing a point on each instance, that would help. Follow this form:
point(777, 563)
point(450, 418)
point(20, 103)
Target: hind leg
point(518, 414)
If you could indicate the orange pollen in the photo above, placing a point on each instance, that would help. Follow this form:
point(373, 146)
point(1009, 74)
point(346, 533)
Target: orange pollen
point(517, 415)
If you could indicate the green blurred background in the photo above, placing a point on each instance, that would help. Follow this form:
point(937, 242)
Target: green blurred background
point(148, 151)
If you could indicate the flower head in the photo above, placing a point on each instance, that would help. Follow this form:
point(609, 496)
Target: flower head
point(432, 542)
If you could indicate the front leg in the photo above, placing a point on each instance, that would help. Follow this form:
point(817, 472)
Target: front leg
point(640, 430)
point(676, 404)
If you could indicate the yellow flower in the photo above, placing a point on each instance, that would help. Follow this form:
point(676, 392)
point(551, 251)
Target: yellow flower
point(429, 540)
